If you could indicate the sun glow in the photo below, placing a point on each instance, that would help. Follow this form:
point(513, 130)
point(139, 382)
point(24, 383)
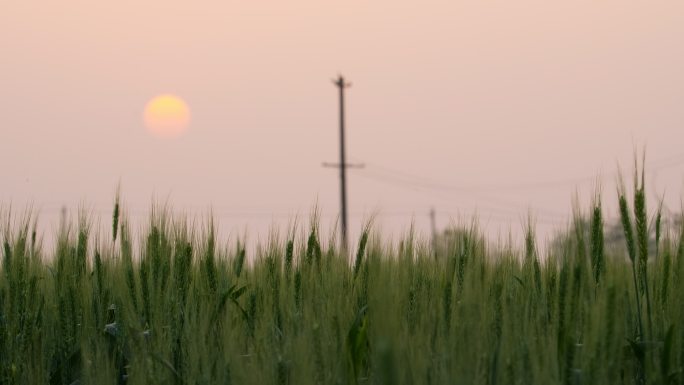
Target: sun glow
point(167, 115)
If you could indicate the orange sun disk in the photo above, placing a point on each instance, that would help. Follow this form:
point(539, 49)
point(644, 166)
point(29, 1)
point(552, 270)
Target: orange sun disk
point(167, 115)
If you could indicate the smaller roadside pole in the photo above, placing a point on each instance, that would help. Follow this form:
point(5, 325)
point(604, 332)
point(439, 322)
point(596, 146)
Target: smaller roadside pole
point(342, 165)
point(433, 227)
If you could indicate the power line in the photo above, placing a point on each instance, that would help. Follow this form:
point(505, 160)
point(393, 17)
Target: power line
point(657, 165)
point(484, 187)
point(419, 183)
point(436, 190)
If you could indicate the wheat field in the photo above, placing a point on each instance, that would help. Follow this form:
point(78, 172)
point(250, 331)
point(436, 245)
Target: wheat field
point(172, 304)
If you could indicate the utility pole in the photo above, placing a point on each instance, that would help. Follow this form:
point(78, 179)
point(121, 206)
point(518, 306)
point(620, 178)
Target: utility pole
point(343, 165)
point(433, 226)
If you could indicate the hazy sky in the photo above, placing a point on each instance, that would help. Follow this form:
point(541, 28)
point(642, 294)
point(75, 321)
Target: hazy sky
point(498, 106)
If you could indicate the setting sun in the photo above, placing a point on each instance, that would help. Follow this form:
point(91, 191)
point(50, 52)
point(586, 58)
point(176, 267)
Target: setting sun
point(167, 115)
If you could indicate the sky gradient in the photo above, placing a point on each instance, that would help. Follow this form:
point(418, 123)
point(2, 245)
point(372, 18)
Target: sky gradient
point(497, 106)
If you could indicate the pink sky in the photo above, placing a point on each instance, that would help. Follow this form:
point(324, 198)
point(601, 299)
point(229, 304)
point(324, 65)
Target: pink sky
point(460, 105)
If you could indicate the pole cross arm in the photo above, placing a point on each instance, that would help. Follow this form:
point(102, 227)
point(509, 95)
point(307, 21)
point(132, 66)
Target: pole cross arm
point(348, 165)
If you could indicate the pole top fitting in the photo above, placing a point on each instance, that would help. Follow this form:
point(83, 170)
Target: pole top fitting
point(340, 82)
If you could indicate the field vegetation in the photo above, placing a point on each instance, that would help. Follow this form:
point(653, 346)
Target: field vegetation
point(174, 305)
